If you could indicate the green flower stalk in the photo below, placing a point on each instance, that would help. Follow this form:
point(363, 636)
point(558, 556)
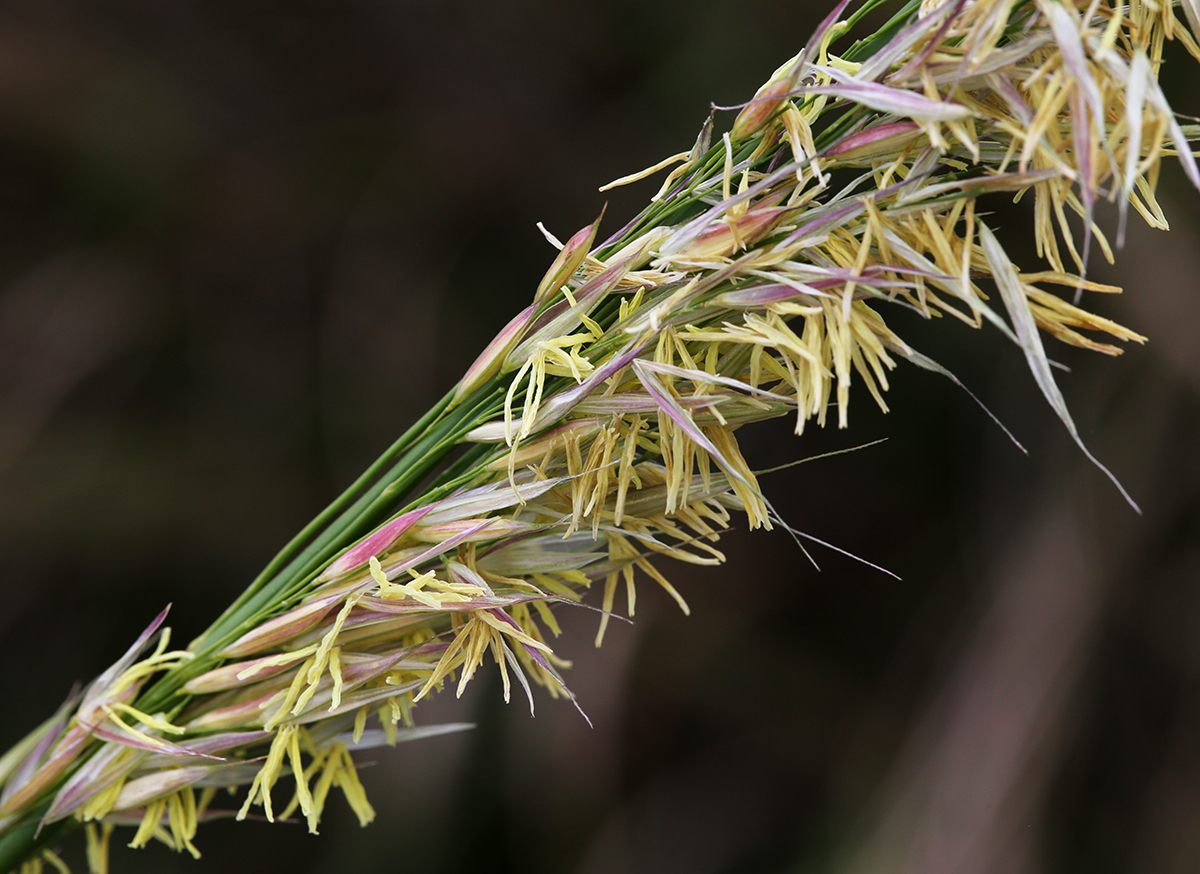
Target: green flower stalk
point(596, 435)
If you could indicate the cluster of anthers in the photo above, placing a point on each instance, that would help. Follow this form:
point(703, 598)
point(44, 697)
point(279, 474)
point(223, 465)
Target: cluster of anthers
point(751, 287)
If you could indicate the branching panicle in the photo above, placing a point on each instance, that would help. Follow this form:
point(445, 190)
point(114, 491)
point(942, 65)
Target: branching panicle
point(598, 433)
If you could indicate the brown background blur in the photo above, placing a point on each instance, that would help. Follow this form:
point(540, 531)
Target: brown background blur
point(244, 244)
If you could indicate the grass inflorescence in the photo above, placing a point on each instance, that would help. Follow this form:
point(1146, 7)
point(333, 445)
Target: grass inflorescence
point(597, 434)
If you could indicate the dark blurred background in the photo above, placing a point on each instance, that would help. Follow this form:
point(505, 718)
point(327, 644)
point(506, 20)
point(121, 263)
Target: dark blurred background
point(244, 244)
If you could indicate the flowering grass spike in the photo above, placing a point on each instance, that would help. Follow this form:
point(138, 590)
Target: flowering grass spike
point(597, 434)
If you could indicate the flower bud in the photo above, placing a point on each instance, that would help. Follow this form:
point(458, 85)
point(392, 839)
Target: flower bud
point(227, 676)
point(568, 260)
point(762, 108)
point(875, 141)
point(246, 713)
point(275, 631)
point(496, 529)
point(489, 361)
point(724, 237)
point(373, 544)
point(137, 792)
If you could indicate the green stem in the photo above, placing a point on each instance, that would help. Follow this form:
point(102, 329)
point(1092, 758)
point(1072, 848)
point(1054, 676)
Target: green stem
point(295, 546)
point(862, 11)
point(21, 842)
point(864, 48)
point(354, 514)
